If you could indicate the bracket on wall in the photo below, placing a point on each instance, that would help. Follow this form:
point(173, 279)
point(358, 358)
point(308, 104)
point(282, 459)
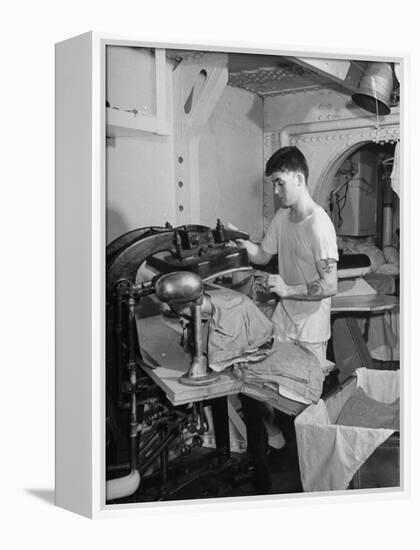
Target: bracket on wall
point(121, 123)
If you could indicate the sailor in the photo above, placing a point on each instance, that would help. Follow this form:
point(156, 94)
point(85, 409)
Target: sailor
point(303, 236)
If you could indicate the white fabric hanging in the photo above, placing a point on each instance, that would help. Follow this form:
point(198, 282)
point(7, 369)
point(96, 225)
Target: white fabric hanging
point(395, 175)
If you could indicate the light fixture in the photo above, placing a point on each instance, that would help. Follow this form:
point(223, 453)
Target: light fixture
point(375, 89)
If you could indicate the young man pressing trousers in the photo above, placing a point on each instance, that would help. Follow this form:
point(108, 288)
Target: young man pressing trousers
point(303, 236)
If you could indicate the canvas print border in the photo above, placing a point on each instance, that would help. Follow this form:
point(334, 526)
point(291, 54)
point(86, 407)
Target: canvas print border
point(81, 193)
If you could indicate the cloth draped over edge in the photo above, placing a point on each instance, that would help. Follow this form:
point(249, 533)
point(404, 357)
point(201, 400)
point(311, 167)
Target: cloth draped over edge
point(395, 174)
point(330, 454)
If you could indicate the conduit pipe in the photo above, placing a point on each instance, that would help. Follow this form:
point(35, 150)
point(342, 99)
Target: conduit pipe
point(336, 124)
point(122, 486)
point(127, 485)
point(387, 227)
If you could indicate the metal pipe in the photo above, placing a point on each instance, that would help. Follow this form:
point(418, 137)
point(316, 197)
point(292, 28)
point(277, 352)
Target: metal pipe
point(143, 450)
point(118, 329)
point(387, 223)
point(198, 354)
point(133, 383)
point(165, 442)
point(127, 485)
point(122, 486)
point(164, 458)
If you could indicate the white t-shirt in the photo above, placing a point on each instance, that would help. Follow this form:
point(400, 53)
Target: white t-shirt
point(299, 246)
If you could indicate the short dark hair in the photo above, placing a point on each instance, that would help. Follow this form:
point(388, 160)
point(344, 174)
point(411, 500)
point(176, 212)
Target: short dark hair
point(289, 159)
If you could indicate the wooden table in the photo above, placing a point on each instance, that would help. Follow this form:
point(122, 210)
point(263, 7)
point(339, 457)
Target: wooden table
point(161, 349)
point(160, 346)
point(166, 361)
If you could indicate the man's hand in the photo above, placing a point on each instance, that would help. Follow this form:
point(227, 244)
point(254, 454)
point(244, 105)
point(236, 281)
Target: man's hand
point(256, 253)
point(278, 286)
point(232, 227)
point(239, 242)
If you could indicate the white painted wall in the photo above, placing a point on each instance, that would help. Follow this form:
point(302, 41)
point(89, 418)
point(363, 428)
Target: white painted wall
point(130, 77)
point(231, 162)
point(309, 106)
point(322, 148)
point(140, 190)
point(139, 183)
point(321, 105)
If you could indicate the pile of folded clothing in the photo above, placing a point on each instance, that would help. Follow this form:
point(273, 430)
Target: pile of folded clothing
point(237, 330)
point(240, 334)
point(290, 370)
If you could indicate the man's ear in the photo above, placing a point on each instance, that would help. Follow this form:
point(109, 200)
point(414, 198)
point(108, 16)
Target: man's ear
point(300, 178)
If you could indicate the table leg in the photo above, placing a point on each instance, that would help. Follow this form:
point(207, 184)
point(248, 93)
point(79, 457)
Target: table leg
point(219, 409)
point(257, 442)
point(350, 348)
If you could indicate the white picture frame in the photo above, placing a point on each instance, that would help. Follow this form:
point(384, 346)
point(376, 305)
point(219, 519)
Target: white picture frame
point(80, 258)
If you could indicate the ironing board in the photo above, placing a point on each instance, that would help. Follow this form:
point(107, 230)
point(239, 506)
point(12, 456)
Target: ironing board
point(372, 303)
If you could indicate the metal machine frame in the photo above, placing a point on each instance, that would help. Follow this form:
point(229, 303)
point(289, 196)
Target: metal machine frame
point(141, 423)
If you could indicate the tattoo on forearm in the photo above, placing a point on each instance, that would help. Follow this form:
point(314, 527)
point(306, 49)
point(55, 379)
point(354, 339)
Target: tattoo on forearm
point(314, 288)
point(327, 265)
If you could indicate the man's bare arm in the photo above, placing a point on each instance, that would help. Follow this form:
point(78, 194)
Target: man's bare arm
point(323, 287)
point(256, 253)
